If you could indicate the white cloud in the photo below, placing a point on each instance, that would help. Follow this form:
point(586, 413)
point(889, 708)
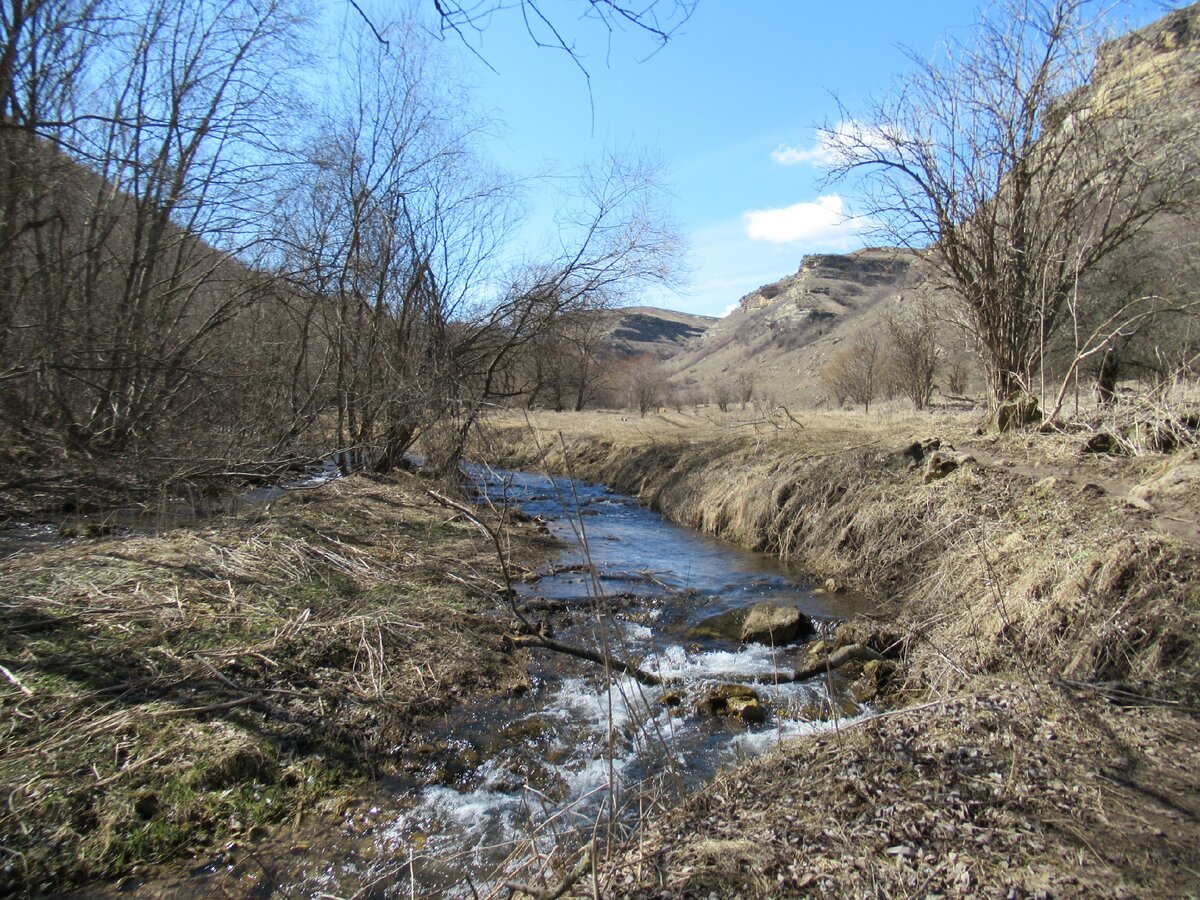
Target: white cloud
point(824, 223)
point(832, 143)
point(820, 155)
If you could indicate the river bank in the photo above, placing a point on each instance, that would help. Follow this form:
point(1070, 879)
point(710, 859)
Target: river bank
point(184, 693)
point(1048, 599)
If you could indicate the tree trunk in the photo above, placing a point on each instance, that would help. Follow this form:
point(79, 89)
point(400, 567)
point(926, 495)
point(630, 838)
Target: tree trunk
point(1106, 379)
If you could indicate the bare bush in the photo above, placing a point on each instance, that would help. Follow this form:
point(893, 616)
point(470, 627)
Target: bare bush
point(745, 383)
point(645, 384)
point(722, 391)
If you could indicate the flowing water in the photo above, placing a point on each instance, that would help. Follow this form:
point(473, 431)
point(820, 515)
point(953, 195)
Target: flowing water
point(503, 780)
point(517, 775)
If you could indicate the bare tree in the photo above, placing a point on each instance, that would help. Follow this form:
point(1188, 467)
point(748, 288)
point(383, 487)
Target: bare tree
point(566, 366)
point(956, 373)
point(913, 353)
point(745, 387)
point(656, 19)
point(722, 392)
point(386, 228)
point(853, 373)
point(646, 384)
point(148, 302)
point(133, 138)
point(1017, 176)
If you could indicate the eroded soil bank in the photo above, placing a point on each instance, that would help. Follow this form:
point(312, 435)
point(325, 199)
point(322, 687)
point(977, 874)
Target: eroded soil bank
point(166, 695)
point(1044, 733)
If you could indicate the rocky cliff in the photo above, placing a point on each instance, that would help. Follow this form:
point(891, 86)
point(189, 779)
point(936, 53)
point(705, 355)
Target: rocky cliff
point(776, 331)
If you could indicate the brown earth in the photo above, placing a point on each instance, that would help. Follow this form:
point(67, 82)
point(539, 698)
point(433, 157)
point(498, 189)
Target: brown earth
point(1045, 600)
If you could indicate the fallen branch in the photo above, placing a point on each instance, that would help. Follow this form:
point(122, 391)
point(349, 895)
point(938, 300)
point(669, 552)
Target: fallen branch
point(609, 661)
point(517, 888)
point(198, 710)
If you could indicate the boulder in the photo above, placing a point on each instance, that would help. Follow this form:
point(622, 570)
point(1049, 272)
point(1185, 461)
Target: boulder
point(913, 455)
point(726, 626)
point(775, 623)
point(1180, 481)
point(942, 462)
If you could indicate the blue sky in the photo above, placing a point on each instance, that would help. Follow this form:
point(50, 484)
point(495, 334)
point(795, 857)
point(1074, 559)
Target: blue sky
point(725, 106)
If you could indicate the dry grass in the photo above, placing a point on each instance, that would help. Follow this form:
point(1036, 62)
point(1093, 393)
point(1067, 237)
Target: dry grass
point(161, 693)
point(1036, 604)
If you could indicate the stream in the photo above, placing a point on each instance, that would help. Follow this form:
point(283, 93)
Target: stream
point(515, 776)
point(507, 782)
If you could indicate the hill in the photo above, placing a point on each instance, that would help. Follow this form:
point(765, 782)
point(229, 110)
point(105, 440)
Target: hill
point(785, 330)
point(647, 330)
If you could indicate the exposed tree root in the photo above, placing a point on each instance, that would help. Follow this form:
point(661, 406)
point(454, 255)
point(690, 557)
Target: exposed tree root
point(836, 659)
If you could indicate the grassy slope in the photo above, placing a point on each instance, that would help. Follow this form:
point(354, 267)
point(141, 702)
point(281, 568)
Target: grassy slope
point(166, 693)
point(1050, 660)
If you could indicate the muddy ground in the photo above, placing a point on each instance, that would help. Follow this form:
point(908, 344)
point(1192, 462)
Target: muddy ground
point(1042, 594)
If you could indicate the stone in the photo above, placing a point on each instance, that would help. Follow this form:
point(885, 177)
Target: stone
point(879, 671)
point(942, 462)
point(671, 698)
point(872, 635)
point(726, 626)
point(1138, 501)
point(876, 674)
point(864, 690)
point(913, 455)
point(733, 700)
point(1179, 481)
point(749, 710)
point(1102, 442)
point(775, 623)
